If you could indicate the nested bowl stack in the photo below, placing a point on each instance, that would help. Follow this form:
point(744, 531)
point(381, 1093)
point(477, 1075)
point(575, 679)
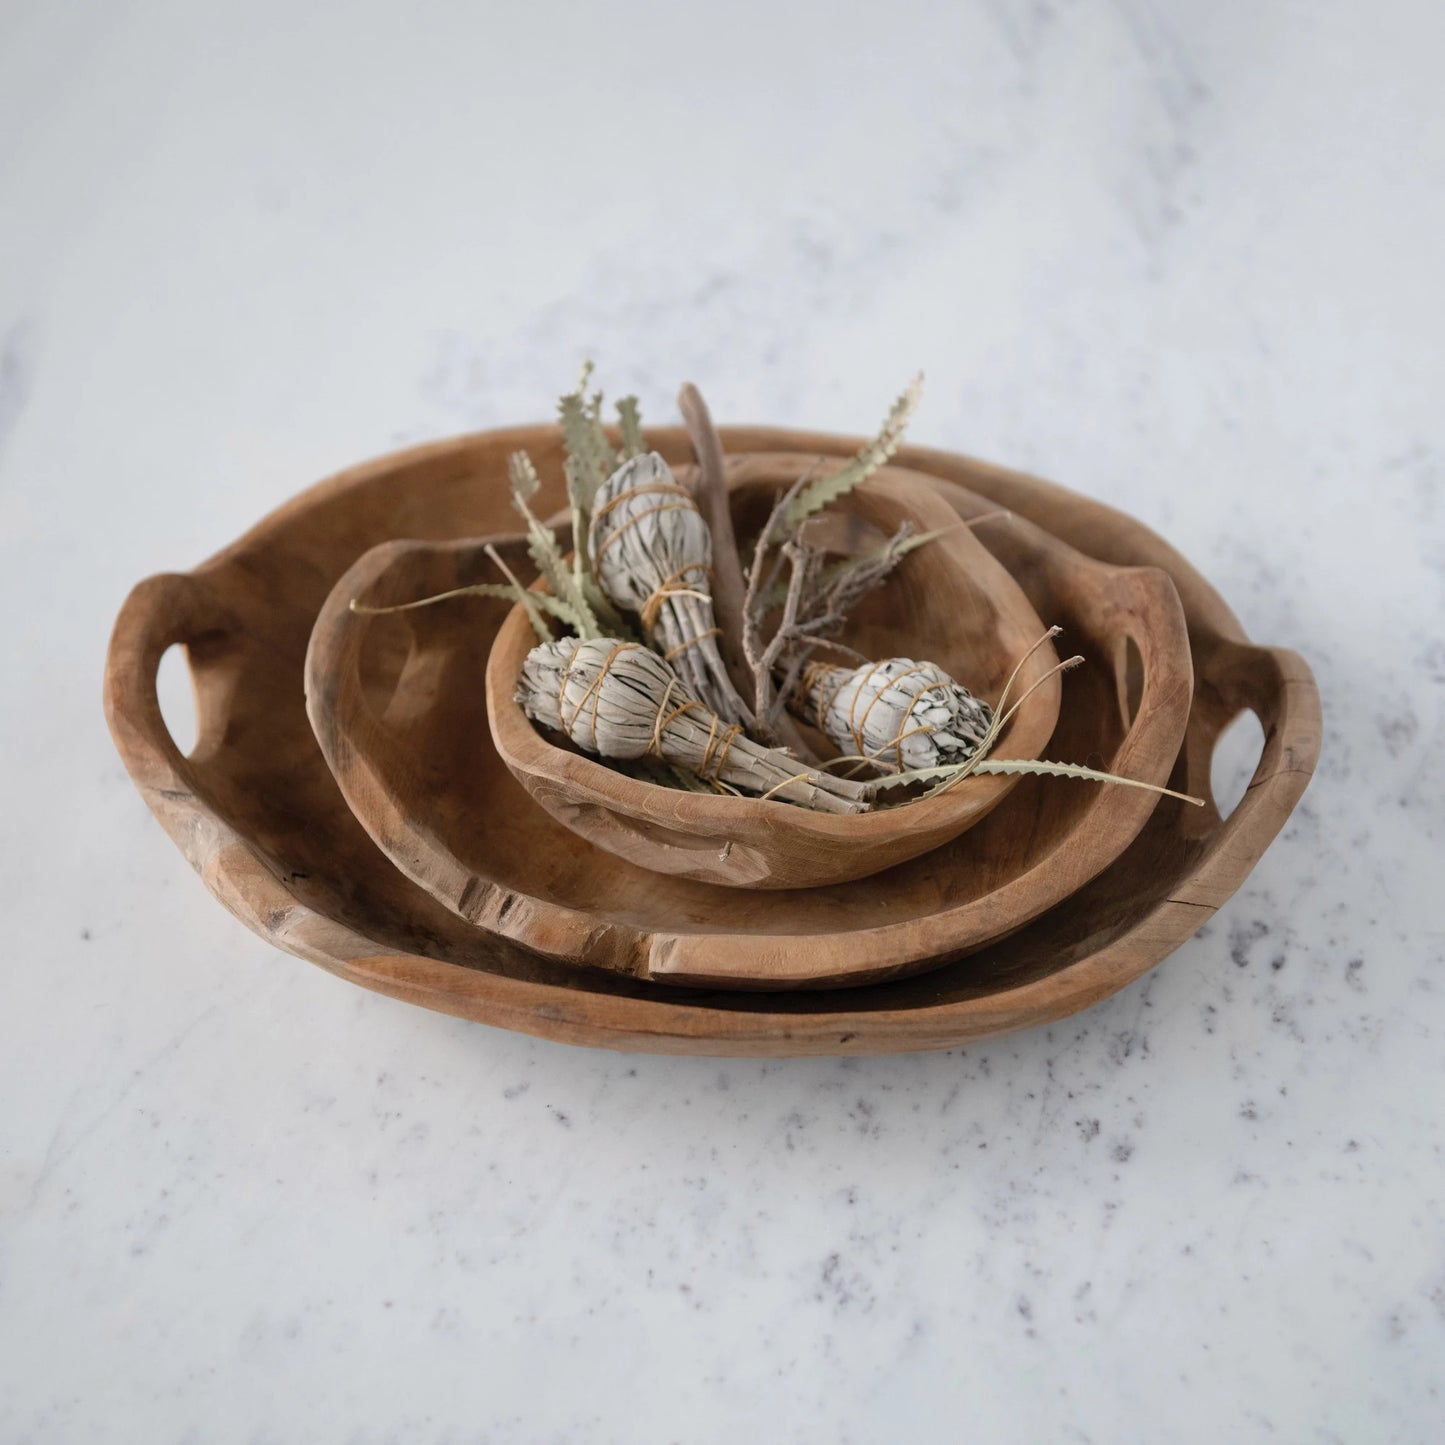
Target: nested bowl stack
point(394, 845)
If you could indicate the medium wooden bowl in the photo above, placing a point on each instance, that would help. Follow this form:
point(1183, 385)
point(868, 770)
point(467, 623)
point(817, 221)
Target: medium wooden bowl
point(413, 761)
point(949, 602)
point(258, 814)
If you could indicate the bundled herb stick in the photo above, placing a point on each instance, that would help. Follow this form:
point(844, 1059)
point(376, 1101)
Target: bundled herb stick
point(644, 550)
point(897, 713)
point(652, 554)
point(620, 700)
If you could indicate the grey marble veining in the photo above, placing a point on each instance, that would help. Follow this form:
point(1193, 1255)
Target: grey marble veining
point(1183, 257)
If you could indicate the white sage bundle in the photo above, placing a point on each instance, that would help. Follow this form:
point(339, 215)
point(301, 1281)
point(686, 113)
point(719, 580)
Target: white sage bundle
point(651, 553)
point(619, 700)
point(897, 712)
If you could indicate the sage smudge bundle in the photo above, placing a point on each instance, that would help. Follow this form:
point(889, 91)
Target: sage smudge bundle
point(620, 700)
point(669, 710)
point(651, 553)
point(897, 712)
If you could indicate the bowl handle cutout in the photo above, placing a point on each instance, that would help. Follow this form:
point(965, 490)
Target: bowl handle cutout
point(1128, 679)
point(1238, 756)
point(170, 610)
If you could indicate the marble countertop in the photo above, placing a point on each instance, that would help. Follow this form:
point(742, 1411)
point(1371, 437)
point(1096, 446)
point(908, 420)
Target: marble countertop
point(1183, 257)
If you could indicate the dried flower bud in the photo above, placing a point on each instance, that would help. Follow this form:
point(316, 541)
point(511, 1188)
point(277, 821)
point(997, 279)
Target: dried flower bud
point(620, 700)
point(652, 555)
point(902, 713)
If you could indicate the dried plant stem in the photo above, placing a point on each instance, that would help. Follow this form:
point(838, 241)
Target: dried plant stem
point(762, 577)
point(538, 605)
point(729, 587)
point(1073, 770)
point(1027, 767)
point(711, 495)
point(767, 707)
point(530, 600)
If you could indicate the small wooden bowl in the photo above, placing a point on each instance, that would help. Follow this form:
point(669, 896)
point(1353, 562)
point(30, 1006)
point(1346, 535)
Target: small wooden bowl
point(949, 602)
point(258, 814)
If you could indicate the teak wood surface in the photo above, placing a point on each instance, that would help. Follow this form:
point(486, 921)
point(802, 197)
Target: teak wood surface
point(950, 602)
point(258, 814)
point(416, 769)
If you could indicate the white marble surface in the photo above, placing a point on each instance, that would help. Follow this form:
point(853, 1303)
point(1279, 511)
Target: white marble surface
point(1183, 256)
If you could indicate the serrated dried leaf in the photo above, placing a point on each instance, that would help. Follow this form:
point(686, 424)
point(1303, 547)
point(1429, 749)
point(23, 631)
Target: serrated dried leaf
point(629, 419)
point(881, 560)
point(545, 551)
point(1025, 766)
point(523, 475)
point(590, 458)
point(828, 489)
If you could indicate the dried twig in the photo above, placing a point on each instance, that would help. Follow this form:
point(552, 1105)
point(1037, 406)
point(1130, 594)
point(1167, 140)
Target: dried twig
point(630, 422)
point(710, 492)
point(762, 577)
point(766, 705)
point(817, 600)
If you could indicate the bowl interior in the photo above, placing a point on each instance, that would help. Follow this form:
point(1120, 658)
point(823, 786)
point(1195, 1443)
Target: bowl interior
point(949, 601)
point(420, 771)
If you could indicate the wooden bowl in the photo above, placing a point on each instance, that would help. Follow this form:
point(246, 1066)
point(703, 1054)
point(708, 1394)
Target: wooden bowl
point(949, 602)
point(412, 759)
point(258, 814)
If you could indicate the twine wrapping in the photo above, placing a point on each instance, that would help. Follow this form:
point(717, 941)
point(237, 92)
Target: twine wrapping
point(899, 713)
point(651, 553)
point(620, 700)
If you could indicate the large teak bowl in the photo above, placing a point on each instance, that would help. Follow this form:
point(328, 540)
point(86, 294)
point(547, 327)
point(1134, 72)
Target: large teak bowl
point(949, 601)
point(256, 810)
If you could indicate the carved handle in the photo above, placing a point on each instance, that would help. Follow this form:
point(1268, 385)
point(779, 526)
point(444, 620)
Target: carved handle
point(1278, 687)
point(160, 612)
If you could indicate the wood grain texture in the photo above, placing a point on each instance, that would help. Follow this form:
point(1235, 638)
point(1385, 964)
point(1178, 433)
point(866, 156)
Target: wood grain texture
point(273, 838)
point(415, 768)
point(950, 602)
